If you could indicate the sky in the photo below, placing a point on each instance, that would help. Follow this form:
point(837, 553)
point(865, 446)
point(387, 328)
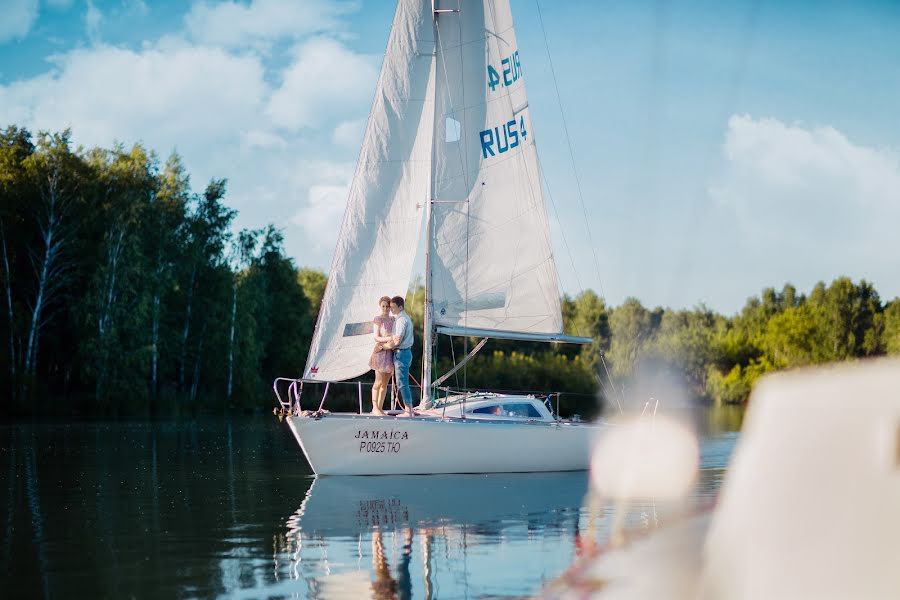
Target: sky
point(719, 147)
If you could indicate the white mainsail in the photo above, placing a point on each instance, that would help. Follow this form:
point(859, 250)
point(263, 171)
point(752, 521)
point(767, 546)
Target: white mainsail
point(390, 190)
point(492, 264)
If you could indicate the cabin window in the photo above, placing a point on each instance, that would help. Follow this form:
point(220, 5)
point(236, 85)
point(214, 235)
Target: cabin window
point(523, 410)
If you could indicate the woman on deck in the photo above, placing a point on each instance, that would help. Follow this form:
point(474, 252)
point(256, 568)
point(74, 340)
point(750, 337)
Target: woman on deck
point(382, 361)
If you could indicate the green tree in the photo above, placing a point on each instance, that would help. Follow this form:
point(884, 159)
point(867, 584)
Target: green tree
point(289, 310)
point(116, 307)
point(56, 174)
point(891, 333)
point(796, 338)
point(847, 314)
point(165, 238)
point(203, 278)
point(633, 330)
point(15, 197)
point(685, 341)
point(313, 282)
point(241, 256)
point(587, 315)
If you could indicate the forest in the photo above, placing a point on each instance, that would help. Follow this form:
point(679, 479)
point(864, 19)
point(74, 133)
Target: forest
point(125, 293)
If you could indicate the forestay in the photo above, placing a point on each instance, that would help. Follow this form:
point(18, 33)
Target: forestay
point(380, 232)
point(492, 264)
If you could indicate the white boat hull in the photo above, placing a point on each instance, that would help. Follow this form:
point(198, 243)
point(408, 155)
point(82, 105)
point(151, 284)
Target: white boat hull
point(350, 444)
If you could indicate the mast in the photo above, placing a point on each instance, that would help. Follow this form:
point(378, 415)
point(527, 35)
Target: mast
point(429, 329)
point(428, 335)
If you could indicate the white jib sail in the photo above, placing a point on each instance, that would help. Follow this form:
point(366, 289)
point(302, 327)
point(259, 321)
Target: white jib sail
point(380, 232)
point(492, 261)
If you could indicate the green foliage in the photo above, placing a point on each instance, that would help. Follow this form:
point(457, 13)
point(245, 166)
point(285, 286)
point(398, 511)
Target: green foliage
point(142, 308)
point(122, 292)
point(587, 316)
point(312, 282)
point(891, 325)
point(633, 329)
point(842, 321)
point(735, 386)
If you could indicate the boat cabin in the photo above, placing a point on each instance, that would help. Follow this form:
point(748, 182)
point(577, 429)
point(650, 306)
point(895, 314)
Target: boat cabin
point(495, 407)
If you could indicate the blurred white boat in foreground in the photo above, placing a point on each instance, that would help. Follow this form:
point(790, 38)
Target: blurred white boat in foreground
point(810, 507)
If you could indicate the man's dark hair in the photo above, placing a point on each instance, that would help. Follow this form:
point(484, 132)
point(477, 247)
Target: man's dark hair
point(398, 300)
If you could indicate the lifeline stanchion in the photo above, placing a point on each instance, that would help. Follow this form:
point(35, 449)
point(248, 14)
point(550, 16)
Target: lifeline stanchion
point(393, 393)
point(325, 395)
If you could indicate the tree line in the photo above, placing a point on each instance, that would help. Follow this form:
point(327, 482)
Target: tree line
point(126, 293)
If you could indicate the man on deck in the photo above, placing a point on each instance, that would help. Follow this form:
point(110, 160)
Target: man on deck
point(402, 345)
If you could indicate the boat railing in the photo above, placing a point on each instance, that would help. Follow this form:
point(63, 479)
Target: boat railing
point(289, 391)
point(289, 403)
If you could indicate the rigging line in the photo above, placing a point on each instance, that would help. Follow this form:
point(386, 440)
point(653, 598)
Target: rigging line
point(571, 152)
point(453, 354)
point(468, 205)
point(578, 186)
point(559, 222)
point(612, 384)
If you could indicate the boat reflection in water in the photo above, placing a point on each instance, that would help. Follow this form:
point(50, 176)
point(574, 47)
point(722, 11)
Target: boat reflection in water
point(448, 536)
point(430, 536)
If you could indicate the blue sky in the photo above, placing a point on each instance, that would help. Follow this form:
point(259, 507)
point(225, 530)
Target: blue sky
point(721, 146)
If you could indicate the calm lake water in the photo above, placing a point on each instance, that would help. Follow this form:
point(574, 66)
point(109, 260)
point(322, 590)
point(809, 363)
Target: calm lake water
point(223, 508)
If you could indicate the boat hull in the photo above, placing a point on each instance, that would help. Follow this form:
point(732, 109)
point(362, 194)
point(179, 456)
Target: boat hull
point(347, 444)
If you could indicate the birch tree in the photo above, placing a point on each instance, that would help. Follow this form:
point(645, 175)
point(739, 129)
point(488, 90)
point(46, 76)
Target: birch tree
point(241, 256)
point(288, 311)
point(117, 304)
point(15, 148)
point(205, 265)
point(53, 170)
point(165, 232)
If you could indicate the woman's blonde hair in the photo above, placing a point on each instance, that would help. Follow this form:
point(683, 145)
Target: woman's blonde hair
point(384, 299)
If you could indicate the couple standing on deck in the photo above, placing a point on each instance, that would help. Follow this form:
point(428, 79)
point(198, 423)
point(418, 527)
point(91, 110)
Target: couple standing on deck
point(393, 331)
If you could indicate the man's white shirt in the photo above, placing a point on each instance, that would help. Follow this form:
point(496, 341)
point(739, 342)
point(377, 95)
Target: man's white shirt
point(403, 329)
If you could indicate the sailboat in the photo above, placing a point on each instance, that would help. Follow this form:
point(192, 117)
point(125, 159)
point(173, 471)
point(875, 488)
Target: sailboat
point(449, 141)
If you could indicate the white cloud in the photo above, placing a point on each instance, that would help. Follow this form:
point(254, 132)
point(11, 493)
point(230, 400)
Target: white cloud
point(162, 97)
point(17, 18)
point(816, 177)
point(319, 218)
point(325, 81)
point(136, 7)
point(809, 203)
point(239, 24)
point(323, 213)
point(93, 18)
point(349, 134)
point(263, 139)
